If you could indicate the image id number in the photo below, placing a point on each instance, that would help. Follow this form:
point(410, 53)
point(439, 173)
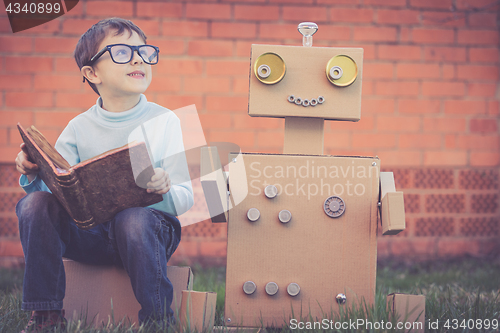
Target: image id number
point(33, 8)
point(471, 324)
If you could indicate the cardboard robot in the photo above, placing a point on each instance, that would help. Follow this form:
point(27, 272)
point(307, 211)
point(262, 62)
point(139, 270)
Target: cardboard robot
point(302, 226)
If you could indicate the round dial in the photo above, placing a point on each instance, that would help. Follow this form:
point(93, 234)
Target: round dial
point(334, 206)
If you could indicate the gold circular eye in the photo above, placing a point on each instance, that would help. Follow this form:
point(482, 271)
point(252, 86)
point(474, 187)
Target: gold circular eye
point(341, 70)
point(269, 68)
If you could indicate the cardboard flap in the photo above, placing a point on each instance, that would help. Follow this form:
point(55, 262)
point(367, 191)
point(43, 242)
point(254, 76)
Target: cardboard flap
point(408, 309)
point(198, 310)
point(393, 213)
point(214, 183)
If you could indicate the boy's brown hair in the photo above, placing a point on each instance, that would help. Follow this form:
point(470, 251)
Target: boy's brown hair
point(87, 46)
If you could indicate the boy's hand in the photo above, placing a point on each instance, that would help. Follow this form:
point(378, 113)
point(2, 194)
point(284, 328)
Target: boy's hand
point(24, 166)
point(160, 182)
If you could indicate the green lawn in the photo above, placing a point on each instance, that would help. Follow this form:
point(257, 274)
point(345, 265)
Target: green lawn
point(460, 294)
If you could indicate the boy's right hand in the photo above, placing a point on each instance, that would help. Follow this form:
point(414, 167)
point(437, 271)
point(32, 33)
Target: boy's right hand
point(24, 166)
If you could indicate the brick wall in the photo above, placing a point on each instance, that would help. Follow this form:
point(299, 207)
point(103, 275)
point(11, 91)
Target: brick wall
point(430, 107)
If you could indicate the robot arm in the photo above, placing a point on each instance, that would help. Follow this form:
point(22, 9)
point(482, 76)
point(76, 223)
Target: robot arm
point(392, 205)
point(214, 184)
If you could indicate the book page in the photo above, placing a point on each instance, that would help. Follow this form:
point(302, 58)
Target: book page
point(48, 149)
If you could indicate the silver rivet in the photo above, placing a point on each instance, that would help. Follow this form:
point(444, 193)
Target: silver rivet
point(305, 102)
point(379, 204)
point(228, 320)
point(334, 206)
point(271, 288)
point(253, 214)
point(249, 287)
point(291, 99)
point(234, 160)
point(321, 99)
point(336, 72)
point(374, 163)
point(293, 289)
point(298, 101)
point(341, 299)
point(264, 71)
point(285, 216)
point(314, 102)
point(271, 191)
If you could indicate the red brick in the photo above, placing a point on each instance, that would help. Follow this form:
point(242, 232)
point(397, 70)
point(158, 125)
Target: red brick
point(433, 36)
point(208, 84)
point(420, 141)
point(29, 99)
point(338, 2)
point(405, 35)
point(240, 86)
point(15, 82)
point(210, 48)
point(337, 140)
point(351, 15)
point(415, 71)
point(28, 64)
point(53, 119)
point(484, 158)
point(159, 9)
point(482, 20)
point(443, 4)
point(377, 106)
point(8, 154)
point(465, 107)
point(483, 125)
point(215, 120)
point(82, 101)
point(45, 82)
point(470, 4)
point(334, 33)
point(368, 88)
point(445, 54)
point(397, 88)
point(213, 249)
point(490, 54)
point(444, 125)
point(398, 124)
point(419, 106)
point(305, 13)
point(75, 11)
point(165, 84)
point(186, 249)
point(396, 16)
point(45, 28)
point(449, 71)
point(366, 123)
point(66, 65)
point(270, 139)
point(178, 101)
point(478, 72)
point(375, 34)
point(378, 70)
point(10, 248)
point(256, 13)
point(442, 19)
point(479, 141)
point(226, 103)
point(77, 26)
point(168, 46)
point(5, 25)
point(55, 45)
point(294, 1)
point(399, 158)
point(280, 31)
point(151, 27)
point(445, 158)
point(3, 136)
point(109, 8)
point(11, 118)
point(233, 30)
point(399, 52)
point(493, 108)
point(244, 121)
point(450, 141)
point(185, 28)
point(478, 37)
point(16, 44)
point(210, 11)
point(441, 88)
point(477, 89)
point(220, 67)
point(386, 3)
point(244, 139)
point(372, 140)
point(180, 66)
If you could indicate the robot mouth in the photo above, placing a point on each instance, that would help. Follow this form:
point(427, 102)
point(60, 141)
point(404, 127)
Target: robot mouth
point(306, 102)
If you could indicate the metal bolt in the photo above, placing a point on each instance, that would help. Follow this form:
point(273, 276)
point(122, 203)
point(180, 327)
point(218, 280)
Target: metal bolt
point(253, 214)
point(336, 72)
point(321, 99)
point(298, 101)
point(228, 320)
point(374, 163)
point(314, 102)
point(271, 288)
point(234, 160)
point(285, 216)
point(271, 191)
point(249, 287)
point(264, 71)
point(305, 102)
point(291, 98)
point(341, 299)
point(293, 289)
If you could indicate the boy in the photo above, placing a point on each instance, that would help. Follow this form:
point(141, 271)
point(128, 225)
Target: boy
point(115, 60)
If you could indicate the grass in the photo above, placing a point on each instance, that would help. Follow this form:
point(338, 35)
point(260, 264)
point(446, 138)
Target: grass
point(458, 293)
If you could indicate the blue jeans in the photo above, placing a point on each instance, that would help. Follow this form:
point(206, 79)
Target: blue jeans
point(139, 239)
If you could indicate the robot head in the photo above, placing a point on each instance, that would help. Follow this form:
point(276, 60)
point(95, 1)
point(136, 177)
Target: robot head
point(304, 81)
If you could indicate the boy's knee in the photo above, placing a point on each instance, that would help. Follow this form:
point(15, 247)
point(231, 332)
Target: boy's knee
point(135, 223)
point(34, 203)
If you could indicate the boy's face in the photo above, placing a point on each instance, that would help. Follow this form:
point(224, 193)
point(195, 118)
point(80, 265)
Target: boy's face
point(122, 80)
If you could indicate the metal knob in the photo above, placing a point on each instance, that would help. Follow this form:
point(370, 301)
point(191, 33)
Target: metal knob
point(271, 288)
point(285, 216)
point(341, 299)
point(334, 206)
point(307, 29)
point(249, 287)
point(271, 191)
point(253, 214)
point(293, 289)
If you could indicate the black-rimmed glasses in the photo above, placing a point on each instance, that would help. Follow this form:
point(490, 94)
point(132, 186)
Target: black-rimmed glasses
point(123, 53)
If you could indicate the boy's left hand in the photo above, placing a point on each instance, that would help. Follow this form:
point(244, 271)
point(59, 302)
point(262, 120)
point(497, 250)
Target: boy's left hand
point(159, 183)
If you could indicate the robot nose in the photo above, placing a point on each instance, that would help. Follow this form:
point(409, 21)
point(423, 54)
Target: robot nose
point(307, 29)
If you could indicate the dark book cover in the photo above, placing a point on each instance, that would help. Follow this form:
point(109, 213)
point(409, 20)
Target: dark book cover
point(95, 190)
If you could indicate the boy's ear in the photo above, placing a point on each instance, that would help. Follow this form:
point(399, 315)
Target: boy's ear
point(89, 73)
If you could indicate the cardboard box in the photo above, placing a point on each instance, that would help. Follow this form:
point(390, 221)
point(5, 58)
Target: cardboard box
point(408, 309)
point(99, 293)
point(325, 256)
point(305, 77)
point(393, 206)
point(197, 311)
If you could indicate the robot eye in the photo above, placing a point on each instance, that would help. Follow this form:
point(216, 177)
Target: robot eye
point(269, 68)
point(341, 70)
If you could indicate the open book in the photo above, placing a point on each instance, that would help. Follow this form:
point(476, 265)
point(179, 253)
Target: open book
point(95, 190)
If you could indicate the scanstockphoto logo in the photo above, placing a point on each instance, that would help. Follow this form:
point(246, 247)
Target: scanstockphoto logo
point(24, 15)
